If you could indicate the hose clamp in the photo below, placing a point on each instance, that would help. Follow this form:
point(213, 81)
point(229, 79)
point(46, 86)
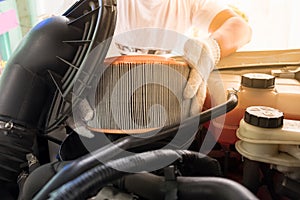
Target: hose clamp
point(31, 159)
point(7, 126)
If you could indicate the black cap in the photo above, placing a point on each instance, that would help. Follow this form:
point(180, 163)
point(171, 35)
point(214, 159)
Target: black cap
point(258, 80)
point(264, 117)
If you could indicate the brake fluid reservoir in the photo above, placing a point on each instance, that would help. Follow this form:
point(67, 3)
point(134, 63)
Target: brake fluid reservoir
point(267, 137)
point(257, 89)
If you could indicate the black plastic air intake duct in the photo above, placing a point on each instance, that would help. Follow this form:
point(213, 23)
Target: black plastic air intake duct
point(46, 62)
point(24, 89)
point(24, 86)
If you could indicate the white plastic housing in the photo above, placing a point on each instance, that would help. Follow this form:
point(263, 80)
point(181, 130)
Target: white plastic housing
point(278, 146)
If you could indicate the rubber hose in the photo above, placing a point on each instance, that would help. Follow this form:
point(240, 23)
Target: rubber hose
point(152, 187)
point(92, 180)
point(198, 164)
point(38, 178)
point(105, 153)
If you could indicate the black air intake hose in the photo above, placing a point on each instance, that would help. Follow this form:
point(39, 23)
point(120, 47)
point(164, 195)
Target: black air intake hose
point(25, 89)
point(24, 86)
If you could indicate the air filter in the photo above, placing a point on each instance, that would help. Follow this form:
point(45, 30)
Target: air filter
point(139, 93)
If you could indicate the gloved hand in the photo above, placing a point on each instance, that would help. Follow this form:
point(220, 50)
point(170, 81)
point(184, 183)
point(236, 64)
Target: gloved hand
point(202, 56)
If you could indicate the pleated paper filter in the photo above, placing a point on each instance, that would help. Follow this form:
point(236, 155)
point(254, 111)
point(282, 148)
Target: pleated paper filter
point(139, 93)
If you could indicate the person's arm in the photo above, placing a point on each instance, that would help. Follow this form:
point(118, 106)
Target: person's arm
point(230, 31)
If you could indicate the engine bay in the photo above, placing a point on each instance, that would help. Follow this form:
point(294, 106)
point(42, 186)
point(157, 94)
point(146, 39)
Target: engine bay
point(66, 132)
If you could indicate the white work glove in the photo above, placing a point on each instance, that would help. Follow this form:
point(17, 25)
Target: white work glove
point(202, 56)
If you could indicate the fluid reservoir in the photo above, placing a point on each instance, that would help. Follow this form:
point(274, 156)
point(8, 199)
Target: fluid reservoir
point(257, 89)
point(267, 137)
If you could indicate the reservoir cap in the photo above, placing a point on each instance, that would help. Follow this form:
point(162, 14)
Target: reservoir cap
point(258, 80)
point(264, 117)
